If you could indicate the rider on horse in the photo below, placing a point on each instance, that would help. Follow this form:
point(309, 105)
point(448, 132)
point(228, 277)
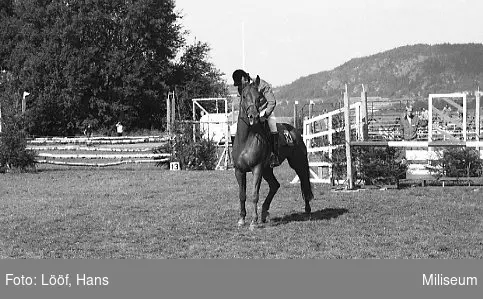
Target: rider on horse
point(267, 105)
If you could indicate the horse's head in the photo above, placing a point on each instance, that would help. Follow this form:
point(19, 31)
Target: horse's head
point(250, 101)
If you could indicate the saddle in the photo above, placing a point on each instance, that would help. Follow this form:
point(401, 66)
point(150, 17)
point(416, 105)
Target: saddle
point(284, 136)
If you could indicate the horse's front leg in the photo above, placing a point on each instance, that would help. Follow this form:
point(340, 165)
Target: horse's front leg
point(257, 179)
point(274, 185)
point(241, 178)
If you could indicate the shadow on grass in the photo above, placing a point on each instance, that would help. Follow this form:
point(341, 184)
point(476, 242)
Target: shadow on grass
point(325, 214)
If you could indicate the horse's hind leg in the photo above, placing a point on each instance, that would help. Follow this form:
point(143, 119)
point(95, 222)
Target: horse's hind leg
point(242, 188)
point(300, 164)
point(273, 185)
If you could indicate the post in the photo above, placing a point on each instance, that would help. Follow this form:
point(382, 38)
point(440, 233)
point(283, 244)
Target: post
point(228, 137)
point(1, 118)
point(465, 129)
point(173, 108)
point(430, 118)
point(311, 104)
point(312, 124)
point(364, 122)
point(477, 114)
point(357, 121)
point(295, 114)
point(194, 122)
point(331, 144)
point(350, 182)
point(24, 101)
point(232, 110)
point(168, 114)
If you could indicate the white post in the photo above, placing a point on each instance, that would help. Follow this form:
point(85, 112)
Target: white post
point(194, 122)
point(295, 114)
point(350, 183)
point(430, 118)
point(311, 104)
point(311, 111)
point(24, 101)
point(168, 114)
point(364, 121)
point(358, 122)
point(465, 131)
point(330, 137)
point(227, 136)
point(232, 110)
point(173, 108)
point(477, 115)
point(331, 141)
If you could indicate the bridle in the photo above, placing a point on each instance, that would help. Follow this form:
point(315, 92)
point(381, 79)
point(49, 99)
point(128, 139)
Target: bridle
point(253, 104)
point(245, 117)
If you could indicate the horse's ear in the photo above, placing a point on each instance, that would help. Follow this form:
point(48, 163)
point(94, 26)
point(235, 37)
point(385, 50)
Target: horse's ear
point(257, 81)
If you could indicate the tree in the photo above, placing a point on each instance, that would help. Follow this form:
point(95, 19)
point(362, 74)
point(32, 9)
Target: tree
point(98, 62)
point(13, 142)
point(90, 61)
point(196, 77)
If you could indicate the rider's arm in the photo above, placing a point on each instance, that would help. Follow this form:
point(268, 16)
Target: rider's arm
point(266, 89)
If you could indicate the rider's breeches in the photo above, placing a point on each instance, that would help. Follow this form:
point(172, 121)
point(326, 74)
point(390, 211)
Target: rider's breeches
point(272, 123)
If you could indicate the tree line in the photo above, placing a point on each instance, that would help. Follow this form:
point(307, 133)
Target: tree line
point(98, 62)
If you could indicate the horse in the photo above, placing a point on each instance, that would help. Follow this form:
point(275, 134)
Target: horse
point(251, 153)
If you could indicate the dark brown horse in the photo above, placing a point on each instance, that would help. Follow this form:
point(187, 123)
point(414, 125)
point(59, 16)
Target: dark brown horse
point(251, 153)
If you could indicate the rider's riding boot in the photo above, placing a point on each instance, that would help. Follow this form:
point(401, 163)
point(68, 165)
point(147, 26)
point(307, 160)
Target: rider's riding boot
point(274, 160)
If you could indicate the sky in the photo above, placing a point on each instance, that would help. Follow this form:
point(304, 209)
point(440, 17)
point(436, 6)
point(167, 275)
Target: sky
point(283, 40)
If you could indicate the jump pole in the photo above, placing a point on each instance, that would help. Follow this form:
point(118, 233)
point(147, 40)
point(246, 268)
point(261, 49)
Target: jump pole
point(350, 181)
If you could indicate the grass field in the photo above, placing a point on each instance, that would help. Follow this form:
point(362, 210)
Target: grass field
point(146, 212)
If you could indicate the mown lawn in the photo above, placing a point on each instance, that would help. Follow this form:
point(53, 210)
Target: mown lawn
point(146, 212)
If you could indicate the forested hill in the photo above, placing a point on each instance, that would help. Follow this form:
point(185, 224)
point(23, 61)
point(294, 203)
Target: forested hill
point(409, 71)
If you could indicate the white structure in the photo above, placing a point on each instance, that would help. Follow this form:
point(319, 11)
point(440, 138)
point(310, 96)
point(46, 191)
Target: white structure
point(213, 126)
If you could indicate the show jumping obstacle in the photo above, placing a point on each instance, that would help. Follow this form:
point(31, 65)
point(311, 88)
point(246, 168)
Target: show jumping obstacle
point(444, 130)
point(215, 126)
point(123, 150)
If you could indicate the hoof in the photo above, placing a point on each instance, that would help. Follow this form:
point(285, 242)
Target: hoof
point(265, 216)
point(241, 222)
point(254, 226)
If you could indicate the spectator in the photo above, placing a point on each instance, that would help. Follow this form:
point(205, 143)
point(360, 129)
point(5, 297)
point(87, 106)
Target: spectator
point(88, 131)
point(424, 117)
point(409, 124)
point(119, 129)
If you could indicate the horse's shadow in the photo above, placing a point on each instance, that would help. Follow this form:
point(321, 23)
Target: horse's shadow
point(324, 214)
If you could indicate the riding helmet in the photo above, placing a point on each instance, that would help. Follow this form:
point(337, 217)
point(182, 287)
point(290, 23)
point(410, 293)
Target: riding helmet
point(238, 75)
